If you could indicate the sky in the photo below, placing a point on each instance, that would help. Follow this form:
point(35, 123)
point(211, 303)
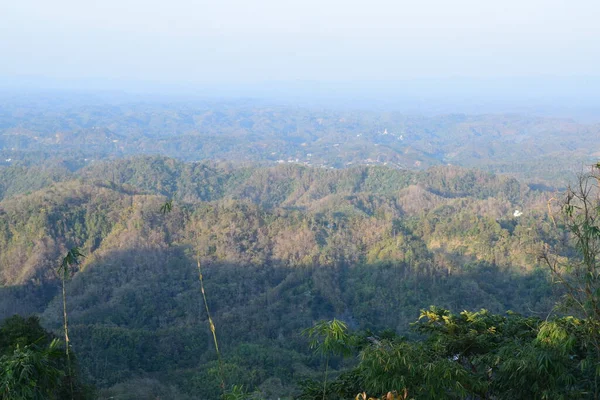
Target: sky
point(257, 42)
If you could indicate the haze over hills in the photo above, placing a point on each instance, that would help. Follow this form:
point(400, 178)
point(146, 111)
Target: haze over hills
point(298, 214)
point(544, 149)
point(307, 200)
point(552, 96)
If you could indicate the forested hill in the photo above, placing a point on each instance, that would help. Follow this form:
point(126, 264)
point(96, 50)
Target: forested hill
point(287, 185)
point(39, 128)
point(281, 246)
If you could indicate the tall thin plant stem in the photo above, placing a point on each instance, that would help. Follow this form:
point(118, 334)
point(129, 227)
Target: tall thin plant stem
point(66, 329)
point(166, 208)
point(329, 338)
point(72, 258)
point(211, 324)
point(325, 380)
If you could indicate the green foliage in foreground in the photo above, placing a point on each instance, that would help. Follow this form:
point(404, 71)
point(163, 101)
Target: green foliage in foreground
point(33, 364)
point(30, 373)
point(479, 355)
point(281, 248)
point(476, 355)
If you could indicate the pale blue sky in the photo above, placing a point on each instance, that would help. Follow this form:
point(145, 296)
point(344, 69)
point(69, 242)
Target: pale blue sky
point(251, 41)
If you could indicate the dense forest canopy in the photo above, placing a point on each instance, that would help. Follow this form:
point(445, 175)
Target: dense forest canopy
point(281, 247)
point(33, 365)
point(299, 200)
point(34, 129)
point(267, 219)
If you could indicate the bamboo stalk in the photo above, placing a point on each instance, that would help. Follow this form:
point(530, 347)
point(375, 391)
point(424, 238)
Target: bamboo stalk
point(66, 329)
point(211, 325)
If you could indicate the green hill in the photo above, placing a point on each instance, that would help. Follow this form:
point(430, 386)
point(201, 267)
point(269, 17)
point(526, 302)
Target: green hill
point(281, 247)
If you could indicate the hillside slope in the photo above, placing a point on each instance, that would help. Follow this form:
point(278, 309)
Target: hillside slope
point(281, 247)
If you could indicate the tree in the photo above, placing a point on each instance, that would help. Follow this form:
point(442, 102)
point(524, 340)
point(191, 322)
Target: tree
point(71, 259)
point(211, 325)
point(166, 208)
point(578, 271)
point(476, 355)
point(329, 338)
point(30, 373)
point(17, 330)
point(33, 365)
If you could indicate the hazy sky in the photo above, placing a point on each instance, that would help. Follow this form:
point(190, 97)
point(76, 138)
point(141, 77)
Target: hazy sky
point(196, 41)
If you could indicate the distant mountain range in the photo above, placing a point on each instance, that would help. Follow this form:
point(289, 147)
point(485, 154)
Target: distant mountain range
point(535, 148)
point(297, 214)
